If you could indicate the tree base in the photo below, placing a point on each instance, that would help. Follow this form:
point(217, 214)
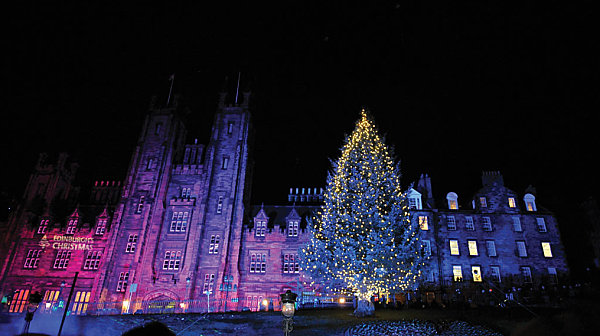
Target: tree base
point(364, 308)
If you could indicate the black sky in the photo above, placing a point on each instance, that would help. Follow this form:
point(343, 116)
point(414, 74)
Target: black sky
point(458, 87)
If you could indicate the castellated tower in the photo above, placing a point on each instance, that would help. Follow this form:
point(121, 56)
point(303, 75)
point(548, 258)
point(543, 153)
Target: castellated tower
point(177, 228)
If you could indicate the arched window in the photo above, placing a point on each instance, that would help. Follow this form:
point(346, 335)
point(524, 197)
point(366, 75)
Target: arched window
point(414, 199)
point(452, 198)
point(529, 202)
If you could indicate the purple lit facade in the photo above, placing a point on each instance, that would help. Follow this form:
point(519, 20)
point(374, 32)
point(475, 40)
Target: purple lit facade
point(180, 229)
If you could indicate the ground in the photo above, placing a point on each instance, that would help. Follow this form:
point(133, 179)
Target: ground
point(578, 320)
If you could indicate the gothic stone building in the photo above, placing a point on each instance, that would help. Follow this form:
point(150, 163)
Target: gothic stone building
point(179, 230)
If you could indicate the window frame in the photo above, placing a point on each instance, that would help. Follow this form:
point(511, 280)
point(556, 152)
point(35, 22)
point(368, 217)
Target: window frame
point(454, 250)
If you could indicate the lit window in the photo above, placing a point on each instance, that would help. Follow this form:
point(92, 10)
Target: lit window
point(261, 228)
point(472, 247)
point(291, 264)
point(512, 203)
point(72, 225)
point(20, 301)
point(552, 274)
point(62, 259)
point(469, 224)
point(529, 202)
point(495, 273)
point(122, 283)
point(293, 229)
point(491, 248)
point(414, 199)
point(43, 226)
point(186, 192)
point(547, 249)
point(131, 242)
point(225, 162)
point(81, 303)
point(476, 272)
point(213, 247)
point(179, 222)
point(487, 224)
point(50, 301)
point(451, 223)
point(32, 259)
point(209, 281)
point(457, 272)
point(101, 226)
point(92, 260)
point(140, 205)
point(426, 247)
point(517, 224)
point(452, 198)
point(172, 260)
point(454, 247)
point(541, 224)
point(423, 223)
point(526, 273)
point(521, 249)
point(220, 205)
point(258, 262)
point(483, 202)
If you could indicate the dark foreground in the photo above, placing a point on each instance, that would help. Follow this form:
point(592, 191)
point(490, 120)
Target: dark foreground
point(580, 318)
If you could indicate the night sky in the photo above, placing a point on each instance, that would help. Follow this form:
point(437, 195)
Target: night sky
point(458, 88)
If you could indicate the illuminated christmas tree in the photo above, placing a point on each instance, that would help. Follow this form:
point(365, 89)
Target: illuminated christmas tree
point(362, 238)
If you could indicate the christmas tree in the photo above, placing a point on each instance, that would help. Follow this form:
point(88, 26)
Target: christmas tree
point(362, 237)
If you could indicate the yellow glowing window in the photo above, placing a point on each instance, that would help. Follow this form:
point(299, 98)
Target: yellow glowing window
point(457, 272)
point(454, 247)
point(476, 271)
point(473, 247)
point(547, 249)
point(511, 202)
point(453, 205)
point(423, 223)
point(529, 206)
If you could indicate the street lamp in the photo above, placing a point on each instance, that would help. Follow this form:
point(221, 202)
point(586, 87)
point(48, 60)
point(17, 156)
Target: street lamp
point(288, 307)
point(34, 301)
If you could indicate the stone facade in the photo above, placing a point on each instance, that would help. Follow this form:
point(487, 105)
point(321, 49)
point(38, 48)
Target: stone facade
point(179, 230)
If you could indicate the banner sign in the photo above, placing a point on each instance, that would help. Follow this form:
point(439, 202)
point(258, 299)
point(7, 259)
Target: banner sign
point(60, 242)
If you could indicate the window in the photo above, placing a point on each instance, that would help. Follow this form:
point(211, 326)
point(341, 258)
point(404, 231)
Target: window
point(546, 248)
point(213, 247)
point(122, 283)
point(258, 263)
point(424, 223)
point(491, 248)
point(529, 202)
point(452, 198)
point(149, 164)
point(430, 277)
point(487, 224)
point(426, 247)
point(261, 227)
point(81, 303)
point(140, 205)
point(62, 259)
point(472, 247)
point(454, 247)
point(20, 301)
point(483, 202)
point(157, 128)
point(469, 225)
point(552, 275)
point(71, 226)
point(92, 260)
point(495, 273)
point(526, 273)
point(414, 199)
point(541, 225)
point(521, 249)
point(209, 282)
point(476, 272)
point(457, 272)
point(50, 300)
point(32, 259)
point(172, 260)
point(291, 264)
point(230, 128)
point(179, 221)
point(225, 162)
point(517, 224)
point(131, 242)
point(186, 192)
point(451, 223)
point(43, 226)
point(101, 226)
point(512, 203)
point(293, 229)
point(220, 205)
